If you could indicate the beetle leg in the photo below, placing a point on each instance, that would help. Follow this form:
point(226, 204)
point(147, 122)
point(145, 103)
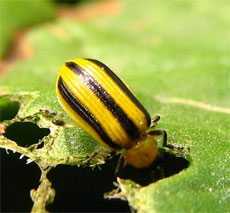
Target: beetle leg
point(160, 132)
point(155, 120)
point(121, 162)
point(119, 165)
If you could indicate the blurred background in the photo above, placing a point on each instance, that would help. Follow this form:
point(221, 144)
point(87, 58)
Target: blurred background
point(177, 48)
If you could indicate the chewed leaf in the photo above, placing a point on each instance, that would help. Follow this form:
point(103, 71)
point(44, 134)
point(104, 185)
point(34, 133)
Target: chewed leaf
point(173, 56)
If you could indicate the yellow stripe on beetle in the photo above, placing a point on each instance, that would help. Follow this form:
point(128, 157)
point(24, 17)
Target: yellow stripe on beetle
point(111, 86)
point(96, 108)
point(100, 103)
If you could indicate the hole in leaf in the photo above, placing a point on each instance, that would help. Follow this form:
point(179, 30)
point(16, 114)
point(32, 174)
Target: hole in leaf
point(8, 108)
point(17, 179)
point(25, 133)
point(165, 166)
point(40, 145)
point(83, 189)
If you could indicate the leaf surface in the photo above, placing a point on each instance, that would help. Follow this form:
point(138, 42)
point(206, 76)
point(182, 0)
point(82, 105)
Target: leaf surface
point(175, 57)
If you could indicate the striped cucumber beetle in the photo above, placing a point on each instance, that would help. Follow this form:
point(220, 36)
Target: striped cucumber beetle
point(100, 103)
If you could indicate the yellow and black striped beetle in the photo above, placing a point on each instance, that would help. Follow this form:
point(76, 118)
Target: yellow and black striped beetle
point(100, 103)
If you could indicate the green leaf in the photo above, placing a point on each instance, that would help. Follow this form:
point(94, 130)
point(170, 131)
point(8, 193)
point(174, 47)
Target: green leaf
point(175, 57)
point(17, 15)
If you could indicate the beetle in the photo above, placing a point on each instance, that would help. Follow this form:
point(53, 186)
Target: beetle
point(100, 103)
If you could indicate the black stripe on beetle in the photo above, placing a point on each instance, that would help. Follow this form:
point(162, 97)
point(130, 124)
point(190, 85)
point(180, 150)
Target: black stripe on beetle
point(127, 124)
point(84, 114)
point(124, 88)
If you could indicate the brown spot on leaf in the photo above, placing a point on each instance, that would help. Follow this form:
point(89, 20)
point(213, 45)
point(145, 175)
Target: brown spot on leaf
point(24, 49)
point(20, 49)
point(92, 10)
